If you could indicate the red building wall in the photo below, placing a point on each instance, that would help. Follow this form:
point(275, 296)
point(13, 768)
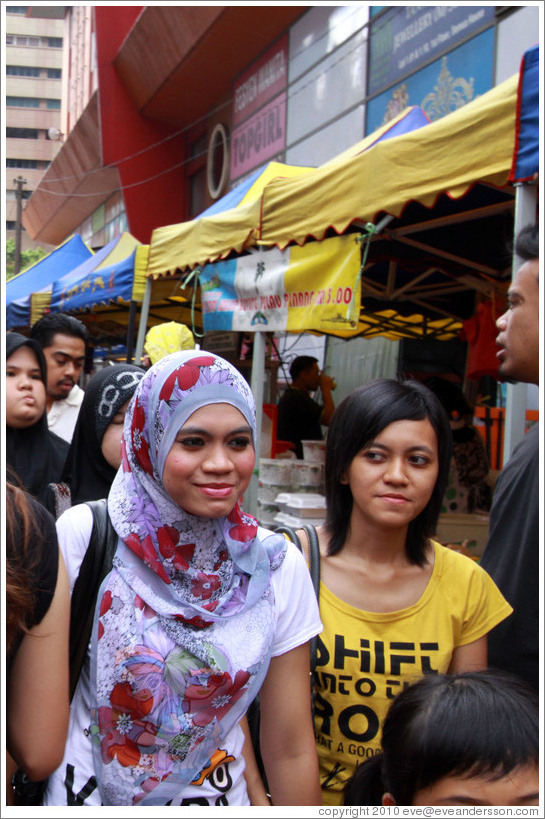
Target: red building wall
point(152, 178)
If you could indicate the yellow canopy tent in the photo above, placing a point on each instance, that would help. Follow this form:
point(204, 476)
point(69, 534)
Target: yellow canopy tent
point(471, 145)
point(421, 275)
point(207, 238)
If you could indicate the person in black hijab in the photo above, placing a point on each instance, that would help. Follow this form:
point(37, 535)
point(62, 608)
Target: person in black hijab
point(95, 452)
point(34, 455)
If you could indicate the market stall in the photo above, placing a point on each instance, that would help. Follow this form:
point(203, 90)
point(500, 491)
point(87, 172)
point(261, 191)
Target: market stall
point(38, 278)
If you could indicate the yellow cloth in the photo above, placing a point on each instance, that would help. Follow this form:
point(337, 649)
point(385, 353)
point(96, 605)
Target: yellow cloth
point(472, 144)
point(365, 658)
point(209, 238)
point(167, 338)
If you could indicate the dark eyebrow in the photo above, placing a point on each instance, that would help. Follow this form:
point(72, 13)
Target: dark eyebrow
point(17, 367)
point(415, 448)
point(67, 355)
point(202, 431)
point(527, 797)
point(461, 800)
point(513, 292)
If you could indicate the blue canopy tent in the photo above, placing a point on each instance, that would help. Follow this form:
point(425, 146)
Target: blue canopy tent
point(108, 276)
point(112, 279)
point(39, 277)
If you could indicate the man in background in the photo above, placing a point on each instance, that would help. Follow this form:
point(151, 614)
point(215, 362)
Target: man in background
point(63, 339)
point(300, 417)
point(511, 556)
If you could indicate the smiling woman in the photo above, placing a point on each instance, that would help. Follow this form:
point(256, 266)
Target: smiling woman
point(202, 609)
point(34, 454)
point(211, 461)
point(395, 604)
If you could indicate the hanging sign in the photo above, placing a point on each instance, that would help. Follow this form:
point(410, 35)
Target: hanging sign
point(265, 79)
point(314, 287)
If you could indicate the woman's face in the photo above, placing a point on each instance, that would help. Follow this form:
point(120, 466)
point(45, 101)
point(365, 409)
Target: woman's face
point(211, 461)
point(25, 390)
point(520, 787)
point(111, 441)
point(393, 477)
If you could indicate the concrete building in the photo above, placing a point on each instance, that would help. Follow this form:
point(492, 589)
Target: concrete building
point(34, 54)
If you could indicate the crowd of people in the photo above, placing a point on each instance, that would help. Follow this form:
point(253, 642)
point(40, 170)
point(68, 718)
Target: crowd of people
point(427, 667)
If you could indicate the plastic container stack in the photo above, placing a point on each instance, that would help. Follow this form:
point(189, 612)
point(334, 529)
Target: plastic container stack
point(296, 509)
point(301, 481)
point(274, 478)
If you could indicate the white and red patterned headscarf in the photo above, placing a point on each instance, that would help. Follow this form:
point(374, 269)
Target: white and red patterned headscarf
point(170, 680)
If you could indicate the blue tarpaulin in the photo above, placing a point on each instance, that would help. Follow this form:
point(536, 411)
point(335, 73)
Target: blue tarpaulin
point(95, 282)
point(526, 154)
point(40, 276)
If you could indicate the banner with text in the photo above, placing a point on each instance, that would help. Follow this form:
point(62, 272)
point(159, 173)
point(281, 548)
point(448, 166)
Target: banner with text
point(314, 287)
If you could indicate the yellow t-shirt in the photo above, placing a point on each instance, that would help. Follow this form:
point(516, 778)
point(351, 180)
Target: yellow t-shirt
point(366, 658)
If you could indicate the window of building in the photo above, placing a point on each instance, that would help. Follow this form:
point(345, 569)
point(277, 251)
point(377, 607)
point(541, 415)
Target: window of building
point(27, 40)
point(22, 163)
point(11, 225)
point(22, 71)
point(16, 9)
point(35, 42)
point(54, 73)
point(23, 102)
point(53, 104)
point(22, 133)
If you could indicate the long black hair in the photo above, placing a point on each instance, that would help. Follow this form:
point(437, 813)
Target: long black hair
point(357, 421)
point(478, 723)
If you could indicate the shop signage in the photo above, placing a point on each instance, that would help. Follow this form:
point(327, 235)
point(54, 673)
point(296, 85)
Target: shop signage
point(314, 287)
point(441, 87)
point(259, 138)
point(266, 78)
point(406, 37)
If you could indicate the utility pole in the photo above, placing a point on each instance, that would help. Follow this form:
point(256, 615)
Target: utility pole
point(18, 222)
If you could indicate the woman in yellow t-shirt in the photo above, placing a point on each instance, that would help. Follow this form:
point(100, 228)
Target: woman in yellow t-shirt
point(394, 604)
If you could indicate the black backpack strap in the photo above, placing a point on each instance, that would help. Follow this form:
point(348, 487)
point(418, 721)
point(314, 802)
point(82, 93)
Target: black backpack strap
point(96, 564)
point(314, 569)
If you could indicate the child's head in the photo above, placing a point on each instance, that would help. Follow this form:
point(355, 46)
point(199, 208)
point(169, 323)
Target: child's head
point(468, 738)
point(357, 421)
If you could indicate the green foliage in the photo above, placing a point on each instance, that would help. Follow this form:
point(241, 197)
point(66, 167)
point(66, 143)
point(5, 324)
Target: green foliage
point(28, 258)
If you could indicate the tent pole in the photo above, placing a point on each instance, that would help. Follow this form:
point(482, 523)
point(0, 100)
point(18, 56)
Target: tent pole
point(515, 404)
point(144, 313)
point(130, 330)
point(256, 384)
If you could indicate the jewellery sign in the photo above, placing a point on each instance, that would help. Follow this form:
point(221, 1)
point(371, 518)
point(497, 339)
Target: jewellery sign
point(259, 111)
point(406, 37)
point(314, 287)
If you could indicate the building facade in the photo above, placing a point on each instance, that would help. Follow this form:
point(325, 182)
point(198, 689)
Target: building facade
point(33, 81)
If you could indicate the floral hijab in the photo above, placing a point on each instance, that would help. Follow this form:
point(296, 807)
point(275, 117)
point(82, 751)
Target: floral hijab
point(169, 681)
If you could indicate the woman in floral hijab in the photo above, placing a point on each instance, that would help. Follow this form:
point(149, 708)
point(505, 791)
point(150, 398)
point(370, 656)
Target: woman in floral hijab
point(201, 610)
